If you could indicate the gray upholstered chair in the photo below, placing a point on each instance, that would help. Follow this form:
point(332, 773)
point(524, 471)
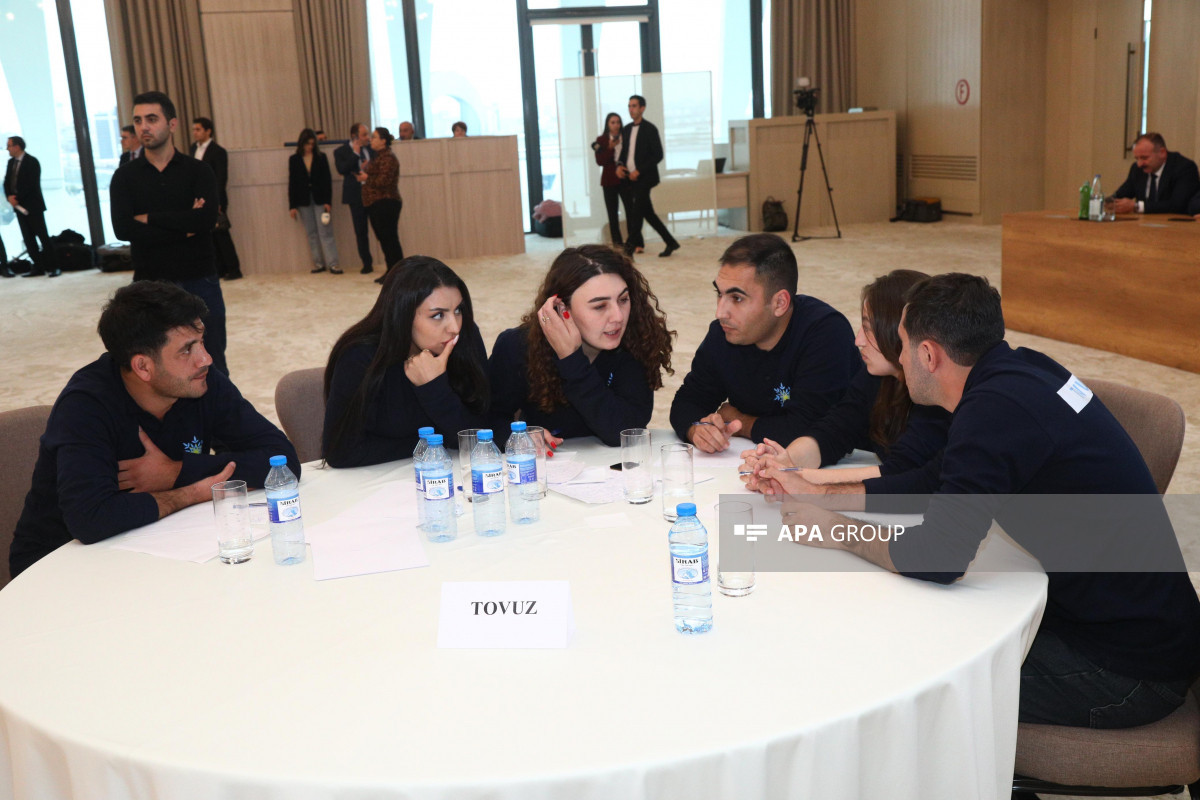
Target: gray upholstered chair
point(300, 404)
point(1154, 759)
point(20, 432)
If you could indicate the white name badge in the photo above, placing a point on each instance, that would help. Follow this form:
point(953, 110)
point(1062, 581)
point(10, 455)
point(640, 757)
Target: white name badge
point(1076, 393)
point(506, 615)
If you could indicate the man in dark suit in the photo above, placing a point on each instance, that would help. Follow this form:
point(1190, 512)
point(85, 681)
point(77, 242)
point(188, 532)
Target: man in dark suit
point(637, 167)
point(1159, 182)
point(23, 188)
point(349, 160)
point(130, 149)
point(207, 150)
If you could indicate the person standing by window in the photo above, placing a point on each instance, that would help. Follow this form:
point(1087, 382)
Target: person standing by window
point(606, 147)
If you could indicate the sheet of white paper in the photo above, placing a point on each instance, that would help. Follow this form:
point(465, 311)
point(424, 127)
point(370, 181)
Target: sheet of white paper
point(506, 614)
point(594, 475)
point(726, 459)
point(366, 547)
point(187, 535)
point(610, 491)
point(387, 503)
point(561, 470)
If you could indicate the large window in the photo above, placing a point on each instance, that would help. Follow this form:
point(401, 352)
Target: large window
point(35, 104)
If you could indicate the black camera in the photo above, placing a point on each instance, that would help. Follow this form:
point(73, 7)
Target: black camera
point(806, 100)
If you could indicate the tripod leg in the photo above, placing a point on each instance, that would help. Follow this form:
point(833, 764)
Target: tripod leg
point(828, 188)
point(809, 127)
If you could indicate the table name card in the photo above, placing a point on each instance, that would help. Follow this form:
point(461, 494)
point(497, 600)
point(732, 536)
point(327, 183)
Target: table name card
point(506, 614)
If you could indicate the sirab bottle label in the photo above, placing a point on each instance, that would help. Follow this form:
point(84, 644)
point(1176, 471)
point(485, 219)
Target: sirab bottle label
point(439, 488)
point(487, 481)
point(522, 472)
point(689, 569)
point(284, 509)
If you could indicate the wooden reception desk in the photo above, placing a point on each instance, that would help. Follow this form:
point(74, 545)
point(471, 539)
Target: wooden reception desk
point(1130, 286)
point(462, 197)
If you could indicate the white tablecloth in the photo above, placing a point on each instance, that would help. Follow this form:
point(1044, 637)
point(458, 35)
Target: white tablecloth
point(123, 675)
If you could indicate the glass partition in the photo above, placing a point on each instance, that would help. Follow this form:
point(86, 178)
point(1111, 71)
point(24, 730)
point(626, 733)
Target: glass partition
point(680, 106)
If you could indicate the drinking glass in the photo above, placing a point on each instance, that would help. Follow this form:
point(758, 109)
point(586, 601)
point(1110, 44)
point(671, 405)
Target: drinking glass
point(729, 514)
point(235, 542)
point(678, 480)
point(635, 466)
point(538, 435)
point(466, 443)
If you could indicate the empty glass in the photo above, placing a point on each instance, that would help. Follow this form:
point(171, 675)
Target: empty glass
point(636, 476)
point(731, 514)
point(678, 480)
point(538, 435)
point(235, 542)
point(466, 443)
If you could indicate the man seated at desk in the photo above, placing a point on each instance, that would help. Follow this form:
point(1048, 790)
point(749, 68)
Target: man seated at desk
point(773, 361)
point(1117, 648)
point(129, 438)
point(1159, 182)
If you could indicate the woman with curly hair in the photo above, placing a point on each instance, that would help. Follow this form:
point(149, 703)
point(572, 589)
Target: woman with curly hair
point(875, 414)
point(587, 359)
point(416, 359)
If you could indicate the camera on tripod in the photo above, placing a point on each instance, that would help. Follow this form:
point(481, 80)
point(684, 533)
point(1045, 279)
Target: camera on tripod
point(806, 96)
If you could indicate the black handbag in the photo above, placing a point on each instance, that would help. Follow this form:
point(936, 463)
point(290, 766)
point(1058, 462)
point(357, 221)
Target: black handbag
point(222, 222)
point(774, 218)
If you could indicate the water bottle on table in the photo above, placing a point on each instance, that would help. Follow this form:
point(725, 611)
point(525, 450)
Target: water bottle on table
point(422, 446)
point(524, 493)
point(689, 572)
point(283, 506)
point(437, 502)
point(487, 486)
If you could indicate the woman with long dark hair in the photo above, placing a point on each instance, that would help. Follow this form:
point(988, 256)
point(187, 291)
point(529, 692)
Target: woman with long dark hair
point(416, 359)
point(310, 193)
point(875, 414)
point(606, 147)
point(586, 359)
point(381, 196)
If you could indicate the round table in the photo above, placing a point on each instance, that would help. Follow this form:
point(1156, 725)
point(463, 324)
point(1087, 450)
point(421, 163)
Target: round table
point(129, 676)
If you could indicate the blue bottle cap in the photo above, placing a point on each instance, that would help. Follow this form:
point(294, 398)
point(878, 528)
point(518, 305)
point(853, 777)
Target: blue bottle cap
point(517, 427)
point(425, 431)
point(484, 435)
point(686, 509)
point(278, 461)
point(434, 439)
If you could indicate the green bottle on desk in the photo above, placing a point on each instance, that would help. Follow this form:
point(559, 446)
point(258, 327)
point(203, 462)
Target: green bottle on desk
point(1085, 199)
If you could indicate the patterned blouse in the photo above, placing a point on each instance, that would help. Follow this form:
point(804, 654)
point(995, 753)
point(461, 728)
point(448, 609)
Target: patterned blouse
point(383, 178)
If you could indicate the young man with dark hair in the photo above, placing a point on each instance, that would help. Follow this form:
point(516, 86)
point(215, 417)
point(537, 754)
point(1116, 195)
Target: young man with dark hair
point(1031, 448)
point(130, 437)
point(637, 167)
point(130, 149)
point(205, 148)
point(23, 188)
point(773, 362)
point(165, 205)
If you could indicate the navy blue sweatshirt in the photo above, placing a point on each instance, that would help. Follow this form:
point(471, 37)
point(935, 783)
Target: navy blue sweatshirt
point(399, 409)
point(788, 388)
point(1013, 433)
point(94, 424)
point(604, 397)
point(847, 426)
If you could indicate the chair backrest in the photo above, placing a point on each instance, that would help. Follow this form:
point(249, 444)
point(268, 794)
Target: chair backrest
point(300, 404)
point(1155, 423)
point(20, 432)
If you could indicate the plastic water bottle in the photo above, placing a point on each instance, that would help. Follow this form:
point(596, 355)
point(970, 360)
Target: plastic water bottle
point(1096, 201)
point(441, 524)
point(1085, 200)
point(422, 446)
point(487, 486)
point(283, 507)
point(524, 493)
point(689, 572)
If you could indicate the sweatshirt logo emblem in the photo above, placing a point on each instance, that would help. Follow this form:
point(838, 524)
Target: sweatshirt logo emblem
point(610, 380)
point(783, 393)
point(195, 447)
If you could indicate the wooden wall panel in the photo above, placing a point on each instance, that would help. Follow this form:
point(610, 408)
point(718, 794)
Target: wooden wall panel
point(1118, 25)
point(882, 68)
point(1061, 164)
point(486, 221)
point(242, 6)
point(943, 49)
point(426, 227)
point(253, 74)
point(1013, 111)
point(1174, 72)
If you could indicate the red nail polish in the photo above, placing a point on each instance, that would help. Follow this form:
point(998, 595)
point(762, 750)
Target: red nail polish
point(566, 315)
point(549, 454)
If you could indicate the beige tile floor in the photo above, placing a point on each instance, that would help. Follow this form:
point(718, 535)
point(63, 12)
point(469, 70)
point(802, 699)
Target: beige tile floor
point(280, 323)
